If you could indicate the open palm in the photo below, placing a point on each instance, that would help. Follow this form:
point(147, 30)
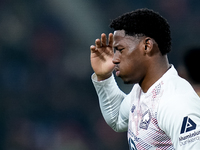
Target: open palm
point(101, 57)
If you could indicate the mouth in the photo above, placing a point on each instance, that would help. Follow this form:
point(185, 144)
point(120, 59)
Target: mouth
point(117, 72)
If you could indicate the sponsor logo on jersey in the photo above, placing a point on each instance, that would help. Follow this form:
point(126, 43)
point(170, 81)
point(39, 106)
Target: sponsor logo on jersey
point(186, 136)
point(187, 125)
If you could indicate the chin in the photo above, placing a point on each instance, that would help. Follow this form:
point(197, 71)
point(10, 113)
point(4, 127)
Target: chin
point(127, 81)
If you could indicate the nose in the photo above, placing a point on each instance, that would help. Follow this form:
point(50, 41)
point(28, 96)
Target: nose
point(116, 58)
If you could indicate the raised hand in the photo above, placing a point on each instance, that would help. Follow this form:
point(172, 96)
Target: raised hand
point(101, 57)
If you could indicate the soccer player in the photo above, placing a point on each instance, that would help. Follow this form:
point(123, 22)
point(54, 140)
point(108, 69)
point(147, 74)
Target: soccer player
point(162, 111)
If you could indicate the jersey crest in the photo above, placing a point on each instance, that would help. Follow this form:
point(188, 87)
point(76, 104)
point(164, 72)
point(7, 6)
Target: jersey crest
point(146, 118)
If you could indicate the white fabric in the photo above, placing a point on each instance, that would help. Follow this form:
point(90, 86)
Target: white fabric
point(156, 118)
point(110, 96)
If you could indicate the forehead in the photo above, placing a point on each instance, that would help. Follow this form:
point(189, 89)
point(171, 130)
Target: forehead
point(119, 33)
point(120, 36)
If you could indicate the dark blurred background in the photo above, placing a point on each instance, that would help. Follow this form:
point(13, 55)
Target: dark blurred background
point(47, 100)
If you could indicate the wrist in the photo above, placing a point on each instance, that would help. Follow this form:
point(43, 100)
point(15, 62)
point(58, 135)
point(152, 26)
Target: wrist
point(103, 77)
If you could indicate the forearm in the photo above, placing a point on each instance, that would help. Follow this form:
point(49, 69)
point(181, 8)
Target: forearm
point(110, 100)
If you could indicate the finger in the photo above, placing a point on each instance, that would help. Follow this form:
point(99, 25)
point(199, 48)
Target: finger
point(92, 48)
point(98, 43)
point(103, 39)
point(110, 40)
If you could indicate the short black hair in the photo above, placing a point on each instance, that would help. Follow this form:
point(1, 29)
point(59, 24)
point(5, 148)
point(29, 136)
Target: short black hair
point(148, 23)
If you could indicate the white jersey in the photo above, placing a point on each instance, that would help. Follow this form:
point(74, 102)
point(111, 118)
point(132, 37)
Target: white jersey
point(166, 117)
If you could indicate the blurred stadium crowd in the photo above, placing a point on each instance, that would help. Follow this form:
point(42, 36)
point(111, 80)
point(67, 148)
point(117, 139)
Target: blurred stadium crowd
point(47, 99)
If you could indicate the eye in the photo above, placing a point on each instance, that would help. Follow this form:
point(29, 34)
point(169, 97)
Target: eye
point(121, 49)
point(118, 49)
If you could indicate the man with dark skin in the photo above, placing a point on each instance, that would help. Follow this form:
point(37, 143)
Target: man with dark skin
point(141, 54)
point(151, 113)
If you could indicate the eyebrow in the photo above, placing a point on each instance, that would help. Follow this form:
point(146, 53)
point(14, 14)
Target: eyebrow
point(118, 44)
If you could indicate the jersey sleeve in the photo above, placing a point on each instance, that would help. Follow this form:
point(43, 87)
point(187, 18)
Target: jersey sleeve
point(179, 118)
point(114, 103)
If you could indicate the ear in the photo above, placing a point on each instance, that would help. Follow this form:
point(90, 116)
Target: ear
point(148, 43)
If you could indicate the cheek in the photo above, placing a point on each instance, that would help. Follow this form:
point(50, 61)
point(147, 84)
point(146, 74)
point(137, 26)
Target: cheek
point(133, 64)
point(131, 59)
point(127, 66)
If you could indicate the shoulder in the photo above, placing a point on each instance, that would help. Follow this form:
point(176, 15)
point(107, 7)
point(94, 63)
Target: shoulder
point(179, 102)
point(179, 98)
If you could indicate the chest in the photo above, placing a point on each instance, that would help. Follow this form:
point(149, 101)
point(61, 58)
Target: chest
point(143, 116)
point(143, 128)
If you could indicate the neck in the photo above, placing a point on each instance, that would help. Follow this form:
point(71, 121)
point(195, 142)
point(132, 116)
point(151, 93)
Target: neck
point(155, 71)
